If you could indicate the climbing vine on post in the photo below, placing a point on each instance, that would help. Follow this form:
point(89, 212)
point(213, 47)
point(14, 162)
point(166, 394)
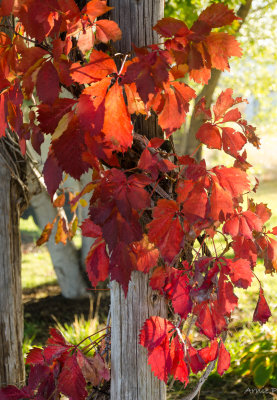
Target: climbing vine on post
point(151, 210)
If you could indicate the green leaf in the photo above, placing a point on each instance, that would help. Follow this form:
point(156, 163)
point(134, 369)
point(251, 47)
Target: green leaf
point(263, 372)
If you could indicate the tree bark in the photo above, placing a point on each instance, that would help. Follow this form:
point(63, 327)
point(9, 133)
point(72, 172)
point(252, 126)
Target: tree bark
point(12, 369)
point(190, 143)
point(131, 376)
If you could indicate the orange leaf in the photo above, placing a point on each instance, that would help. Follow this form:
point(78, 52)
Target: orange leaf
point(117, 122)
point(59, 202)
point(44, 237)
point(107, 30)
point(61, 234)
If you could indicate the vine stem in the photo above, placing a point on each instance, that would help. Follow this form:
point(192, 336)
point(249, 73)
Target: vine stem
point(26, 38)
point(204, 377)
point(201, 382)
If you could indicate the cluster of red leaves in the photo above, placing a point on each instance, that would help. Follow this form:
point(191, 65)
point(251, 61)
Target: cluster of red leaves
point(216, 133)
point(95, 129)
point(60, 368)
point(168, 355)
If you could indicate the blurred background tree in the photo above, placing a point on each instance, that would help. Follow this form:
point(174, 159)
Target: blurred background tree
point(253, 76)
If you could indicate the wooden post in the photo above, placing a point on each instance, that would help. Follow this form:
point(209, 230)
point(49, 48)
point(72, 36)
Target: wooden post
point(12, 369)
point(131, 376)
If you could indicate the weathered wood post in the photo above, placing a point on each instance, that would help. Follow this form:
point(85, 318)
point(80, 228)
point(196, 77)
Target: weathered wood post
point(12, 369)
point(131, 377)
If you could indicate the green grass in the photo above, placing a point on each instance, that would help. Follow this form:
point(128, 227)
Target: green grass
point(29, 229)
point(37, 269)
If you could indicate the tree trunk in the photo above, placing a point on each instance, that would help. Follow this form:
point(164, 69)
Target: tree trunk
point(65, 259)
point(190, 143)
point(12, 369)
point(131, 377)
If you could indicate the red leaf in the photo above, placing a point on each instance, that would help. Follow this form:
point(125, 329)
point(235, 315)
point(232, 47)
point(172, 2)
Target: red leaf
point(210, 353)
point(217, 15)
point(55, 352)
point(68, 148)
point(209, 135)
point(195, 361)
point(52, 173)
point(158, 278)
point(160, 360)
point(184, 187)
point(223, 359)
point(272, 252)
point(263, 212)
point(117, 229)
point(117, 126)
point(135, 104)
point(262, 311)
point(232, 141)
point(35, 356)
point(95, 8)
point(94, 368)
point(223, 103)
point(71, 381)
point(154, 332)
point(173, 106)
point(6, 7)
point(149, 72)
point(243, 225)
point(151, 161)
point(91, 106)
point(165, 230)
point(179, 368)
point(240, 273)
point(56, 347)
point(40, 22)
point(227, 300)
point(97, 262)
point(56, 337)
point(50, 115)
point(245, 248)
point(121, 265)
point(146, 254)
point(100, 65)
point(205, 320)
point(232, 115)
point(169, 26)
point(181, 300)
point(90, 229)
point(12, 392)
point(37, 138)
point(86, 39)
point(107, 30)
point(48, 83)
point(221, 46)
point(233, 180)
point(194, 207)
point(221, 203)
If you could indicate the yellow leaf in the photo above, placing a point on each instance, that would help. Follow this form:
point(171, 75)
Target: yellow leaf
point(62, 126)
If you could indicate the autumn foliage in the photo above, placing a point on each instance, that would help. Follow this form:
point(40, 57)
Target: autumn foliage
point(161, 214)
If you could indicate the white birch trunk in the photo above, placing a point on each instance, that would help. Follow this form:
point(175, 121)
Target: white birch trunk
point(65, 258)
